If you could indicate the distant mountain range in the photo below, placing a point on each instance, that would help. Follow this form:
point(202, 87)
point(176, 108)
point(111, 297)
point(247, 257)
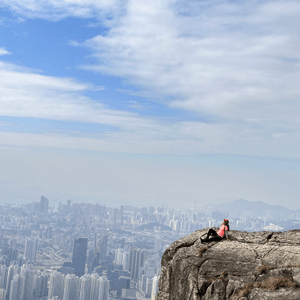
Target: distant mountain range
point(241, 207)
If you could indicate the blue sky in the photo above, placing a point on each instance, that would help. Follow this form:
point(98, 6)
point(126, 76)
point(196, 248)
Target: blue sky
point(183, 100)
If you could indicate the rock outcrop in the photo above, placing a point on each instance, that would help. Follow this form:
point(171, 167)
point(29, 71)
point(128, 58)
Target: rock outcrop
point(256, 265)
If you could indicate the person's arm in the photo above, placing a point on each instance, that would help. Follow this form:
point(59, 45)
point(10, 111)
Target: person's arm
point(226, 232)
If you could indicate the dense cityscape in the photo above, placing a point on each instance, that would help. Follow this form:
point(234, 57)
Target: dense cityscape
point(85, 251)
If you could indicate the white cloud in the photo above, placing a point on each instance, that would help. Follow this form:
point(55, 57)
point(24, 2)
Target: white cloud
point(58, 9)
point(214, 71)
point(25, 93)
point(28, 94)
point(236, 62)
point(3, 51)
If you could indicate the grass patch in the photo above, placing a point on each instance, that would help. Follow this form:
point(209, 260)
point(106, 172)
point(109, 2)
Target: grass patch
point(262, 269)
point(292, 266)
point(270, 284)
point(243, 292)
point(273, 283)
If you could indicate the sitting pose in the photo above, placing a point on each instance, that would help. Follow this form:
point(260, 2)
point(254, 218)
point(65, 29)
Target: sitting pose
point(217, 236)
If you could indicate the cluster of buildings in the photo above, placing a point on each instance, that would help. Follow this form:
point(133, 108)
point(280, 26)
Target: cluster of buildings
point(79, 251)
point(87, 251)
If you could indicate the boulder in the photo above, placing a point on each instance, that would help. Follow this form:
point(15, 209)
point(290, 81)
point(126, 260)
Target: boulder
point(256, 265)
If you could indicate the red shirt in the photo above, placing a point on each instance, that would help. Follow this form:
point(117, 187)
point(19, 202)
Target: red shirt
point(221, 231)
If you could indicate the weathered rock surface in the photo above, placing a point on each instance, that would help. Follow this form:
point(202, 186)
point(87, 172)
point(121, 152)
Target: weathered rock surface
point(234, 269)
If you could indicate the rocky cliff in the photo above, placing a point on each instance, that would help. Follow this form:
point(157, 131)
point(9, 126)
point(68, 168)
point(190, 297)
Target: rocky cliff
point(256, 265)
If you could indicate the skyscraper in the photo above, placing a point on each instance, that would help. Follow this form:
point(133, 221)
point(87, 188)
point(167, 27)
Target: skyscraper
point(3, 274)
point(30, 249)
point(103, 288)
point(71, 290)
point(2, 294)
point(29, 275)
point(79, 256)
point(41, 282)
point(13, 294)
point(12, 270)
point(154, 287)
point(17, 287)
point(85, 287)
point(94, 286)
point(44, 205)
point(136, 260)
point(103, 246)
point(49, 233)
point(149, 283)
point(56, 285)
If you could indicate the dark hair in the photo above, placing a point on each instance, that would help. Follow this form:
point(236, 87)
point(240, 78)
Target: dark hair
point(226, 223)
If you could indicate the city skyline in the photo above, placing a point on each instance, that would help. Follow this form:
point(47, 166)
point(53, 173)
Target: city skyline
point(126, 101)
point(90, 251)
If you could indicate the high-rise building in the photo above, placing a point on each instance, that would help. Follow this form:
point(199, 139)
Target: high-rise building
point(13, 293)
point(149, 283)
point(118, 257)
point(94, 286)
point(49, 233)
point(41, 283)
point(124, 283)
point(115, 216)
point(44, 205)
point(3, 274)
point(145, 280)
point(29, 275)
point(103, 288)
point(121, 258)
point(154, 287)
point(103, 246)
point(136, 260)
point(85, 287)
point(2, 294)
point(71, 289)
point(17, 287)
point(125, 261)
point(56, 285)
point(79, 256)
point(93, 260)
point(30, 249)
point(12, 270)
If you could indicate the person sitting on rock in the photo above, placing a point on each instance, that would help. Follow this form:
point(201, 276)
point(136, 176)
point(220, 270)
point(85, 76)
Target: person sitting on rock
point(219, 235)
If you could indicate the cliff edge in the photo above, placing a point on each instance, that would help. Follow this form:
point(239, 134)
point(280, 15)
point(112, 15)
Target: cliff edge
point(256, 265)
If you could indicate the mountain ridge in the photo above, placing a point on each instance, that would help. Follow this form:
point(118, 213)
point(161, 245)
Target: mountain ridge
point(257, 208)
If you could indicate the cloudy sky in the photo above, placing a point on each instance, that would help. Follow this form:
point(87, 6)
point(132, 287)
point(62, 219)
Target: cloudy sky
point(129, 101)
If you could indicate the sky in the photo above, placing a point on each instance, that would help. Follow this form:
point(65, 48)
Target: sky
point(174, 103)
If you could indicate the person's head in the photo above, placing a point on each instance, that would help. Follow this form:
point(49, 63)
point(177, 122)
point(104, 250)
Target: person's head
point(226, 222)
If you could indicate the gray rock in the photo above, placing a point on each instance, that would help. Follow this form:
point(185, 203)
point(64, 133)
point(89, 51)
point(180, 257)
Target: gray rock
point(222, 269)
point(280, 294)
